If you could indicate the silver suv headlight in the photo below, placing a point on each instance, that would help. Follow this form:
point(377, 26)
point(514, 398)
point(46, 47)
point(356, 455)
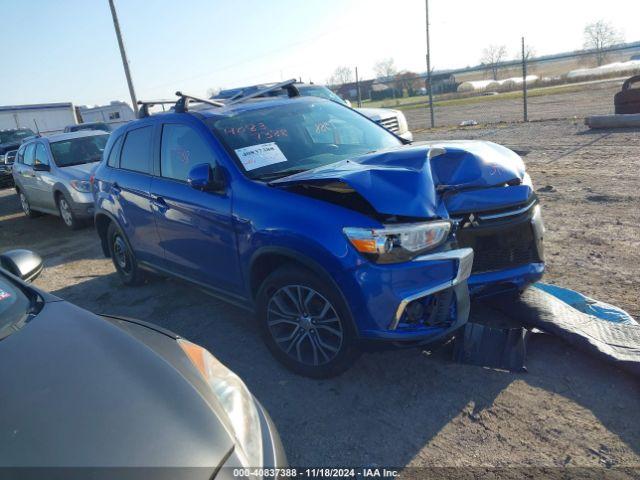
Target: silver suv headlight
point(82, 186)
point(398, 243)
point(235, 398)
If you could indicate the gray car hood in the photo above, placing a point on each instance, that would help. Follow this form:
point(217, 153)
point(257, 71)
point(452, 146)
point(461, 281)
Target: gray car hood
point(78, 391)
point(79, 172)
point(412, 180)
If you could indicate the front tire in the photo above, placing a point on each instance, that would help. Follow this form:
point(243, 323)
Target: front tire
point(123, 258)
point(305, 323)
point(66, 214)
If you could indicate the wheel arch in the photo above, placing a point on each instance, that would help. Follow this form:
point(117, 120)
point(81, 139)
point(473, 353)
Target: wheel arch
point(268, 259)
point(102, 220)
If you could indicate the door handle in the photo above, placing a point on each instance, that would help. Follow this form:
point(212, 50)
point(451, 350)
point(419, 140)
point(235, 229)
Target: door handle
point(159, 203)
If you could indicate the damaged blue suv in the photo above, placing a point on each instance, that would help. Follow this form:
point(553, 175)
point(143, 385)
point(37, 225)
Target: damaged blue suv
point(336, 232)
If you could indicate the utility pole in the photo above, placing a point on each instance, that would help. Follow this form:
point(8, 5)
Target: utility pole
point(358, 89)
point(429, 68)
point(123, 54)
point(524, 81)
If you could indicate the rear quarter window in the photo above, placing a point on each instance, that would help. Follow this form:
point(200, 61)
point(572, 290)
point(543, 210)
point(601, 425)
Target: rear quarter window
point(136, 151)
point(114, 153)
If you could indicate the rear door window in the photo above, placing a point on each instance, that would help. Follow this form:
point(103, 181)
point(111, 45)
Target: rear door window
point(136, 151)
point(182, 149)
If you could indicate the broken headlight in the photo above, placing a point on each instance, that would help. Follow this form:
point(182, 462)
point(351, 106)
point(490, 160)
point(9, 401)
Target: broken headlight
point(398, 243)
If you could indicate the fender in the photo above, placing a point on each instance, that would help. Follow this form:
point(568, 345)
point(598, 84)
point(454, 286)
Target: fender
point(103, 238)
point(62, 188)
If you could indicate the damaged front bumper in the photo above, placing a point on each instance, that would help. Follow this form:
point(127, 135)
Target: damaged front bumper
point(417, 302)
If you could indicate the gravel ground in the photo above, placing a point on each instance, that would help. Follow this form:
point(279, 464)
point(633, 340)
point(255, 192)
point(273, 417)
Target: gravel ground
point(401, 408)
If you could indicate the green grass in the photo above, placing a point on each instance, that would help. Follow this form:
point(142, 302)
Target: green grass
point(410, 103)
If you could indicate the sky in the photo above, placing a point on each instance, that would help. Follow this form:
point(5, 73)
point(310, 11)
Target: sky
point(66, 50)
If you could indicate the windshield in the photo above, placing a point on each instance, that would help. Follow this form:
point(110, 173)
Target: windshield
point(77, 151)
point(14, 305)
point(322, 92)
point(11, 136)
point(296, 136)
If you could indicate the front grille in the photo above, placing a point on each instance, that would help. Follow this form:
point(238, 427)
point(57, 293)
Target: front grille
point(390, 124)
point(501, 247)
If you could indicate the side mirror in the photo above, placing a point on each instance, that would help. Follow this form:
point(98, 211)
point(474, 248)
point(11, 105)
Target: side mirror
point(41, 167)
point(205, 178)
point(24, 264)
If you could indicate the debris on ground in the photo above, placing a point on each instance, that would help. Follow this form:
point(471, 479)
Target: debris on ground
point(468, 123)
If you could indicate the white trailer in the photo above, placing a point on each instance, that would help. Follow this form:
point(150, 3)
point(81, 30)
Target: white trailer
point(114, 114)
point(47, 118)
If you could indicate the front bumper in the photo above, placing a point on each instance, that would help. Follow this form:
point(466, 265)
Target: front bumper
point(82, 205)
point(378, 296)
point(515, 257)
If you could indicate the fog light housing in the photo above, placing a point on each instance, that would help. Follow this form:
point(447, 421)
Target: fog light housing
point(415, 311)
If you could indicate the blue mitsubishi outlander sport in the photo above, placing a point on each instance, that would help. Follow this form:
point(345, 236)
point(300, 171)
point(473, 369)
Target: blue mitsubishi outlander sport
point(335, 231)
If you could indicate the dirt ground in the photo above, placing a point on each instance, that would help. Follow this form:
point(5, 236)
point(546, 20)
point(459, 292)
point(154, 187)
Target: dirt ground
point(400, 408)
point(593, 98)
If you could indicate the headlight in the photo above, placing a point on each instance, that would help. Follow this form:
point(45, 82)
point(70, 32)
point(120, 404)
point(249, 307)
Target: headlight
point(398, 243)
point(403, 126)
point(236, 400)
point(82, 186)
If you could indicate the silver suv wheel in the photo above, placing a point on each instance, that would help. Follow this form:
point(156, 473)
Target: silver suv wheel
point(65, 212)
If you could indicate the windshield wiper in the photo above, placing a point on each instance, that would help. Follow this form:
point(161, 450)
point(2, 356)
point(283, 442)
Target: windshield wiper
point(281, 174)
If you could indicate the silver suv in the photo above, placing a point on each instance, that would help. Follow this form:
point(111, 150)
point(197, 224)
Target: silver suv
point(52, 175)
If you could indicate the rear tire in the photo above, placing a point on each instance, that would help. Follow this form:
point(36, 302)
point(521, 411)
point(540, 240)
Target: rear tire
point(123, 258)
point(305, 323)
point(66, 214)
point(26, 206)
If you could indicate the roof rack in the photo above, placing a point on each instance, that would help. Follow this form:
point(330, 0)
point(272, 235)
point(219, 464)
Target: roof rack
point(144, 110)
point(288, 85)
point(182, 105)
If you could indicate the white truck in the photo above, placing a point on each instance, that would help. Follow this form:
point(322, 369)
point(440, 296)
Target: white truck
point(45, 118)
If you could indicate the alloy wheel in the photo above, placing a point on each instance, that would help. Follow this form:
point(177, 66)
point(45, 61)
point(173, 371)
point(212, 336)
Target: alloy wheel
point(25, 204)
point(65, 212)
point(304, 325)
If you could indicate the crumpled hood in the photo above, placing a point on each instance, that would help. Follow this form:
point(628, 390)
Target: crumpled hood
point(403, 181)
point(80, 172)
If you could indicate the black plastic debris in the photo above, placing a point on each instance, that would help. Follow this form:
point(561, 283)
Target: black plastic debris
point(616, 343)
point(491, 339)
